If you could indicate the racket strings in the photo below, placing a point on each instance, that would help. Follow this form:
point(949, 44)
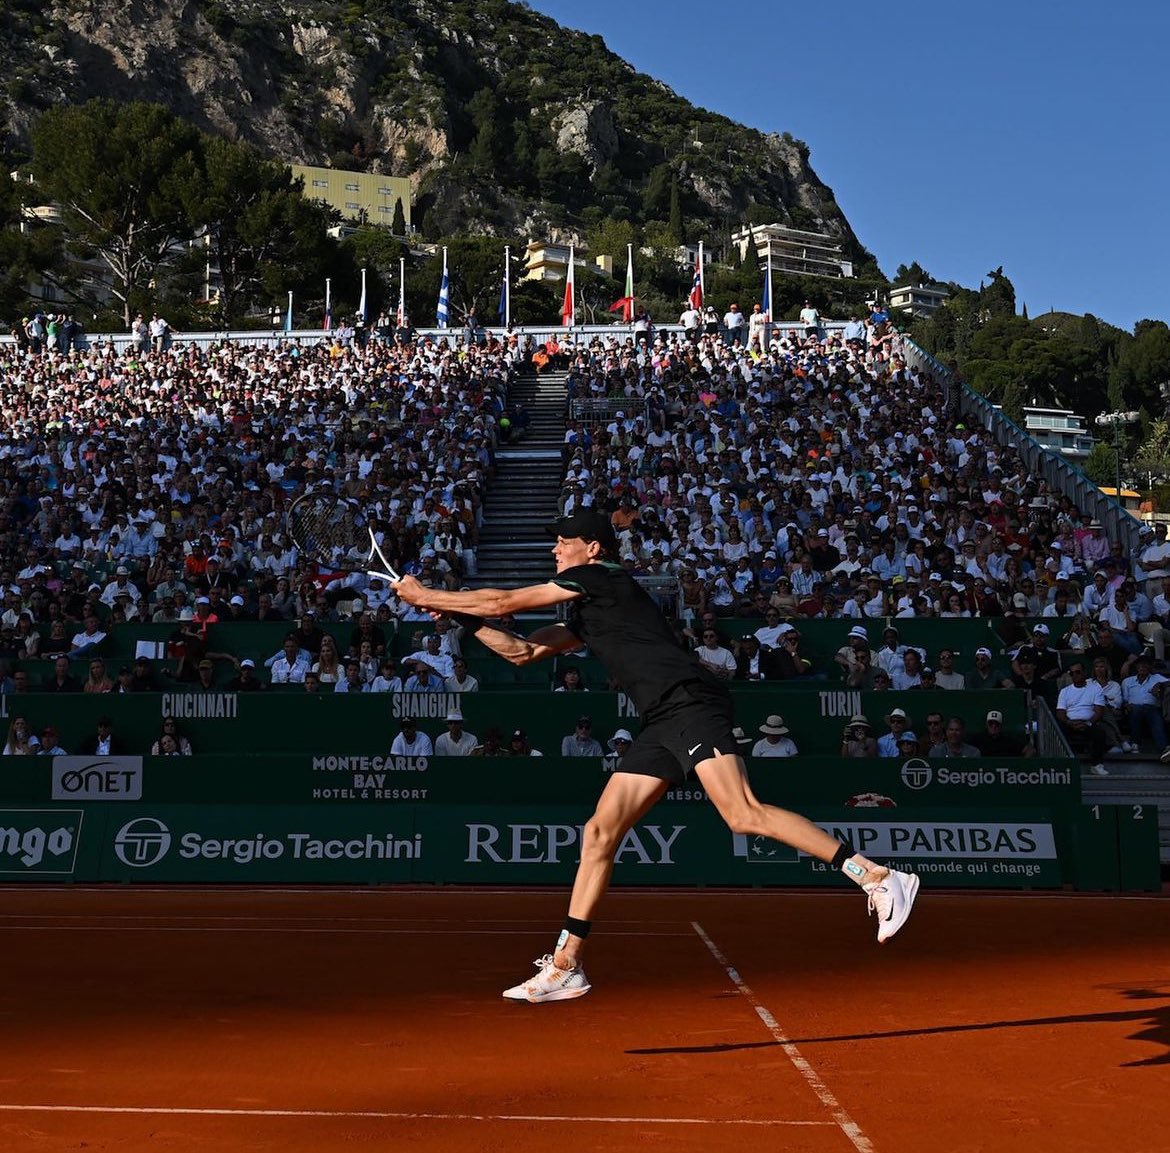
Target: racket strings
point(328, 528)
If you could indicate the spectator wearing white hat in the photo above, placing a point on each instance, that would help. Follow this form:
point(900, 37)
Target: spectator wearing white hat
point(899, 723)
point(456, 741)
point(775, 742)
point(996, 741)
point(855, 656)
point(857, 738)
point(245, 680)
point(984, 675)
point(619, 745)
point(1044, 657)
point(121, 584)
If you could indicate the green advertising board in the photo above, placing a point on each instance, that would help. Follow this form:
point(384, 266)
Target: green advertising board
point(374, 781)
point(341, 724)
point(510, 844)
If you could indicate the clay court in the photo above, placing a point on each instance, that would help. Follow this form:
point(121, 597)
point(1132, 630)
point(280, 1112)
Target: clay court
point(227, 1020)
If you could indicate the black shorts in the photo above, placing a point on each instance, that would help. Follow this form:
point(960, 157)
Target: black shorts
point(692, 723)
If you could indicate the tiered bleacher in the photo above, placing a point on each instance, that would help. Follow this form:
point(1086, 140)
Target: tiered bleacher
point(776, 489)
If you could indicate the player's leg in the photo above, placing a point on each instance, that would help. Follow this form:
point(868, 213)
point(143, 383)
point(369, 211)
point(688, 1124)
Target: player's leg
point(625, 799)
point(891, 893)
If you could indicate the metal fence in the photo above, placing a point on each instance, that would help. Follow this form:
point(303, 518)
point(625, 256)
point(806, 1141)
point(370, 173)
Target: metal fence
point(1047, 734)
point(1060, 475)
point(596, 412)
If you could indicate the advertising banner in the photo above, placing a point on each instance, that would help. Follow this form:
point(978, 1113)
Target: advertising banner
point(39, 843)
point(257, 844)
point(378, 781)
point(540, 844)
point(96, 778)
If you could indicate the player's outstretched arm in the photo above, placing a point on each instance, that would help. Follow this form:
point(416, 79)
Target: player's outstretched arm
point(472, 604)
point(482, 602)
point(537, 646)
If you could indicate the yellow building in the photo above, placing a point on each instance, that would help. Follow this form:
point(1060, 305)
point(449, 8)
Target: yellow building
point(358, 196)
point(545, 260)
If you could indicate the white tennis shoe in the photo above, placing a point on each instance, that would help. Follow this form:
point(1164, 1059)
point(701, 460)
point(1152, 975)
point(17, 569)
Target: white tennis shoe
point(550, 983)
point(892, 898)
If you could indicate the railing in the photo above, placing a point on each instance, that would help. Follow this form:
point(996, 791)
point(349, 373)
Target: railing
point(1048, 736)
point(457, 334)
point(594, 412)
point(1043, 464)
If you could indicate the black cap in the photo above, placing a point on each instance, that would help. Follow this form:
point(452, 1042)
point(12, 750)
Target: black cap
point(587, 524)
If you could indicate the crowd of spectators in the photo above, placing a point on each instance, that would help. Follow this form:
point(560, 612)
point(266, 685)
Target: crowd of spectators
point(151, 483)
point(777, 473)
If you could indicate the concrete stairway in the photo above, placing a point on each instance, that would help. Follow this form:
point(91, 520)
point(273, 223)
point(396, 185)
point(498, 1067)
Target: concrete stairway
point(522, 499)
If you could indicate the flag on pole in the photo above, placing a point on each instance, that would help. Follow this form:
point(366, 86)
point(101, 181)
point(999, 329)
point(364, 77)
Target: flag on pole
point(569, 307)
point(766, 303)
point(361, 311)
point(696, 296)
point(328, 304)
point(401, 318)
point(288, 318)
point(626, 303)
point(505, 309)
point(443, 312)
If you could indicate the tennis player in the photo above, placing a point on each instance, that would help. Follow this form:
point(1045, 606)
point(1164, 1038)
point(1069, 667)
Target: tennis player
point(687, 722)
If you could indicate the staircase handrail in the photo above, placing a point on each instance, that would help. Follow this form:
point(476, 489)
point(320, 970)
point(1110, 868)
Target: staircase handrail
point(1060, 474)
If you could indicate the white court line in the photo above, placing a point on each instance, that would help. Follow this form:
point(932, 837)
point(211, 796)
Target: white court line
point(377, 1114)
point(824, 1094)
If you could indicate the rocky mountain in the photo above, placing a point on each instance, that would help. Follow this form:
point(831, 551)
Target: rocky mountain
point(504, 120)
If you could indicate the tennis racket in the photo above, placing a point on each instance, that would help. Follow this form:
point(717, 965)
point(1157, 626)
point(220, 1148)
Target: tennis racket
point(335, 531)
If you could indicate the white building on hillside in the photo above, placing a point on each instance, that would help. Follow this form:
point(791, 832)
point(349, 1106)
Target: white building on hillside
point(795, 251)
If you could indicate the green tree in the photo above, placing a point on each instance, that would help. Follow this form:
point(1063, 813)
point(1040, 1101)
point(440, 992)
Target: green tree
point(398, 224)
point(260, 231)
point(656, 195)
point(1101, 465)
point(119, 172)
point(1142, 365)
point(24, 255)
point(913, 274)
point(475, 266)
point(1153, 454)
point(999, 297)
point(677, 227)
point(483, 110)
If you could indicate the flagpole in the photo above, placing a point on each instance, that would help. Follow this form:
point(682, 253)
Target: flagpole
point(443, 312)
point(629, 309)
point(702, 281)
point(362, 302)
point(328, 304)
point(569, 307)
point(507, 286)
point(402, 292)
point(288, 320)
point(768, 314)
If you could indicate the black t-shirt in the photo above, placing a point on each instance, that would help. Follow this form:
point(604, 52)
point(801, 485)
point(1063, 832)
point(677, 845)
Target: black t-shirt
point(1045, 659)
point(999, 745)
point(625, 630)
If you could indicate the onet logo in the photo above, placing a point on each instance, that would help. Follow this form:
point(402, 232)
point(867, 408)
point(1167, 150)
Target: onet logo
point(142, 842)
point(916, 773)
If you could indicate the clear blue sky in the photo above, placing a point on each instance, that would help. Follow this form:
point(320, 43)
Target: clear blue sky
point(1031, 134)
